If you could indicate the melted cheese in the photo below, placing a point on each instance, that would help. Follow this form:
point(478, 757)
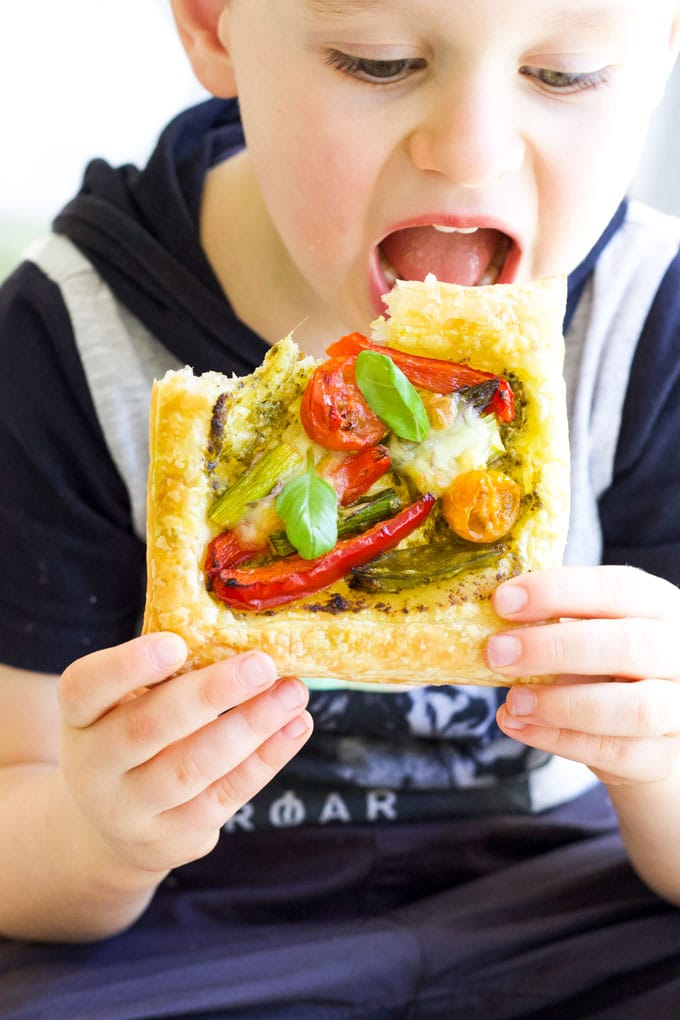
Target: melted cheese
point(467, 444)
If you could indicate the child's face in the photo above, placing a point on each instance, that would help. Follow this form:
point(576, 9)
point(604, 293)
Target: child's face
point(369, 121)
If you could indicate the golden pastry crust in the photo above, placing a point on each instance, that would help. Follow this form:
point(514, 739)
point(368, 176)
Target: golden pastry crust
point(428, 635)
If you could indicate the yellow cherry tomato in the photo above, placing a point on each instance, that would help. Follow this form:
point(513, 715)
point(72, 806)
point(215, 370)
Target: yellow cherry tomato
point(482, 506)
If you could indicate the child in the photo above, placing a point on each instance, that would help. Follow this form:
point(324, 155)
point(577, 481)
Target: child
point(428, 853)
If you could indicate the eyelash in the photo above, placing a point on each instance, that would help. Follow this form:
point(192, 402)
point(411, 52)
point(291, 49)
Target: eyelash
point(569, 83)
point(374, 71)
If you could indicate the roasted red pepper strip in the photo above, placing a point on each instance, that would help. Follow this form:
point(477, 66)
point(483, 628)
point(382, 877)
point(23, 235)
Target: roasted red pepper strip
point(432, 373)
point(355, 474)
point(292, 578)
point(226, 551)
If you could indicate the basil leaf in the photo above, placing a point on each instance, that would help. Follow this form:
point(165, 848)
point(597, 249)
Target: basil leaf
point(308, 506)
point(391, 396)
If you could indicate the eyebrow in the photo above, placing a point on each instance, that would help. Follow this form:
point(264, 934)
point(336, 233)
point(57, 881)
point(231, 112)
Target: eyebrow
point(338, 7)
point(352, 6)
point(594, 18)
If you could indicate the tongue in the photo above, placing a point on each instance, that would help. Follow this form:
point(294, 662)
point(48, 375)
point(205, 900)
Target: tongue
point(453, 258)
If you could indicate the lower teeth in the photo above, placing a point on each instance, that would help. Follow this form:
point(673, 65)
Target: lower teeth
point(491, 274)
point(493, 270)
point(389, 272)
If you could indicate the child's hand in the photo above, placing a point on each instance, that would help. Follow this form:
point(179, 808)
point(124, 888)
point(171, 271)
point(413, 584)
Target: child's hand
point(156, 773)
point(617, 625)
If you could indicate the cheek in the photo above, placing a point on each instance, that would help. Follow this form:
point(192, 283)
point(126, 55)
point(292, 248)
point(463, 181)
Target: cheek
point(578, 196)
point(322, 189)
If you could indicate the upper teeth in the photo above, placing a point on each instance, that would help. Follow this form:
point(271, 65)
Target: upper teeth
point(454, 230)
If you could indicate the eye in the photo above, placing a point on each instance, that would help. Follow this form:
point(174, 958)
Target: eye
point(566, 81)
point(379, 72)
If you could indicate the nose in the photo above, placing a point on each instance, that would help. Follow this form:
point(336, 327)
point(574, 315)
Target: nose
point(467, 132)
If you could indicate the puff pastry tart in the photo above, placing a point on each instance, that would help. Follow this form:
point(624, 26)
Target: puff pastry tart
point(352, 516)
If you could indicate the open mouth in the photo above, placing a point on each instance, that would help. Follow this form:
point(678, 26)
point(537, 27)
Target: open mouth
point(469, 256)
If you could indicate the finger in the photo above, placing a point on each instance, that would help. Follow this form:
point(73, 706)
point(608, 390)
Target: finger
point(583, 592)
point(171, 711)
point(227, 795)
point(630, 648)
point(648, 708)
point(611, 758)
point(91, 686)
point(183, 770)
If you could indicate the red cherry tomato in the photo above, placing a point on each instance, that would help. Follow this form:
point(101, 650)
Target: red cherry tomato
point(334, 412)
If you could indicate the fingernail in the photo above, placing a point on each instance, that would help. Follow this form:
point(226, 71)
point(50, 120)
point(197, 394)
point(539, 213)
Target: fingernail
point(256, 670)
point(503, 650)
point(509, 599)
point(297, 726)
point(168, 651)
point(521, 701)
point(509, 722)
point(290, 693)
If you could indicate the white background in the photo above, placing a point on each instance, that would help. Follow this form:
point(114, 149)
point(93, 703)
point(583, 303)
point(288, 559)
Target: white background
point(80, 78)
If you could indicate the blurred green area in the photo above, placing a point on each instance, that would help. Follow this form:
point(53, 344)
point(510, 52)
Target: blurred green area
point(15, 236)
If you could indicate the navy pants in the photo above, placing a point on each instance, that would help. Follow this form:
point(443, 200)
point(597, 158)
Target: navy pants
point(482, 919)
